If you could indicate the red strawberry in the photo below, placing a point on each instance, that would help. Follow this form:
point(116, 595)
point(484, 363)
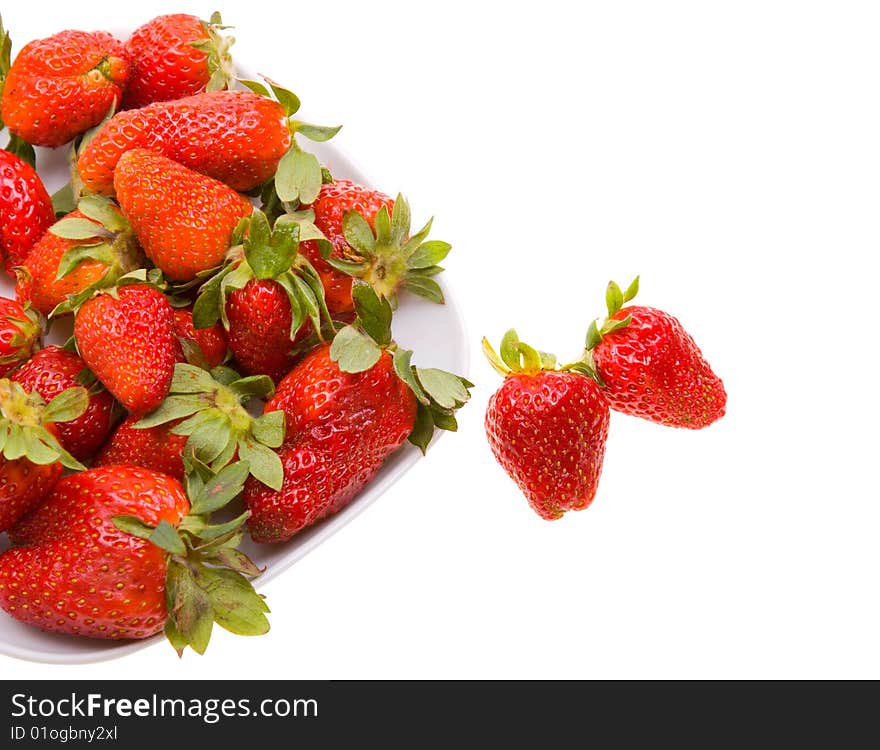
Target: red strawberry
point(183, 220)
point(126, 337)
point(155, 448)
point(372, 242)
point(237, 137)
point(103, 557)
point(25, 209)
point(84, 264)
point(31, 458)
point(63, 85)
point(205, 347)
point(19, 335)
point(52, 371)
point(651, 367)
point(547, 428)
point(348, 407)
point(175, 56)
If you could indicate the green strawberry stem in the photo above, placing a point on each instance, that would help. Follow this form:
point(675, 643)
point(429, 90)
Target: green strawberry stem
point(216, 47)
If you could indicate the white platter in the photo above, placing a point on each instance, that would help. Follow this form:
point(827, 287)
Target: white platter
point(435, 332)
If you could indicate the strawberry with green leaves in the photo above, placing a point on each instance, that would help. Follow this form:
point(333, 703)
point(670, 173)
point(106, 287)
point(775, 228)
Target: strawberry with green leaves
point(122, 552)
point(183, 220)
point(25, 209)
point(19, 334)
point(53, 371)
point(31, 458)
point(59, 87)
point(349, 405)
point(269, 297)
point(203, 347)
point(174, 56)
point(126, 337)
point(650, 367)
point(547, 427)
point(368, 237)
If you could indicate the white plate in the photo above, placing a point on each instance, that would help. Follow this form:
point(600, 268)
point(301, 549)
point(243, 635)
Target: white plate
point(435, 332)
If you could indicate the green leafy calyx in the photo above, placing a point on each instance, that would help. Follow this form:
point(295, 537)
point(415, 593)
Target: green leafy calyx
point(216, 47)
point(615, 299)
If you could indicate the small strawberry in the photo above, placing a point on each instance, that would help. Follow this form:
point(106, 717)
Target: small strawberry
point(89, 249)
point(63, 85)
point(547, 428)
point(203, 347)
point(156, 448)
point(237, 137)
point(25, 209)
point(31, 458)
point(348, 407)
point(651, 367)
point(174, 56)
point(268, 296)
point(51, 372)
point(183, 220)
point(121, 552)
point(368, 237)
point(19, 334)
point(126, 337)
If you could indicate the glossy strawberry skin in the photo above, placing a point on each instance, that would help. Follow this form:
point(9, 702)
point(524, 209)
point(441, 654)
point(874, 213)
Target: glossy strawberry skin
point(237, 137)
point(19, 335)
point(341, 427)
point(334, 201)
point(63, 85)
point(164, 63)
point(74, 572)
point(548, 431)
point(25, 209)
point(182, 219)
point(52, 371)
point(653, 369)
point(155, 448)
point(128, 342)
point(259, 329)
point(23, 485)
point(36, 280)
point(211, 341)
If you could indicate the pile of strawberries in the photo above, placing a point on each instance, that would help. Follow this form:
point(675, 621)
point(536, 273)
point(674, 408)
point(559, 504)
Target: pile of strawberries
point(209, 264)
point(547, 425)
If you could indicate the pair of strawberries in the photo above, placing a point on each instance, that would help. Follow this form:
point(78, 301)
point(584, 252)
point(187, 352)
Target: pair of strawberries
point(173, 279)
point(548, 425)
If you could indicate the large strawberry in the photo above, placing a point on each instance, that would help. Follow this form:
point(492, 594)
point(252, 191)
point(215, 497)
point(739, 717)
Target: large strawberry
point(348, 407)
point(157, 448)
point(52, 371)
point(31, 458)
point(63, 85)
point(183, 220)
point(19, 334)
point(651, 367)
point(89, 249)
point(174, 56)
point(269, 298)
point(25, 209)
point(237, 137)
point(547, 428)
point(121, 552)
point(369, 238)
point(126, 337)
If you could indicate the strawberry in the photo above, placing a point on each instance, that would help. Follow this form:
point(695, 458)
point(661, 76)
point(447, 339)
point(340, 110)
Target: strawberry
point(121, 552)
point(369, 238)
point(25, 209)
point(651, 367)
point(348, 407)
point(31, 458)
point(19, 334)
point(63, 85)
point(268, 296)
point(174, 56)
point(203, 347)
point(89, 249)
point(156, 448)
point(547, 428)
point(182, 219)
point(52, 371)
point(126, 337)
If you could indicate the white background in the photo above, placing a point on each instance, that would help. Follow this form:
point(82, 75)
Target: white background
point(727, 152)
